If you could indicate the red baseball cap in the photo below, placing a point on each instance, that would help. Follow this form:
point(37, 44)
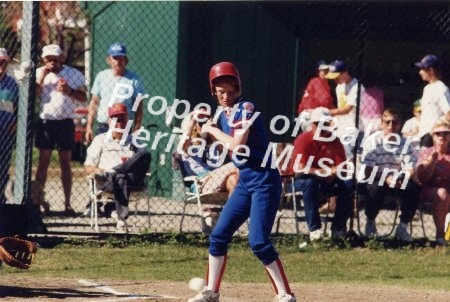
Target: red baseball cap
point(118, 109)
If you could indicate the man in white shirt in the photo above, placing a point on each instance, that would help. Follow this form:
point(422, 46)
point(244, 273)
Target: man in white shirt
point(117, 166)
point(435, 102)
point(389, 171)
point(59, 87)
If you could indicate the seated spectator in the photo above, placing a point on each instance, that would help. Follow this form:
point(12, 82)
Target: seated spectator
point(433, 172)
point(311, 182)
point(411, 126)
point(117, 166)
point(392, 162)
point(221, 179)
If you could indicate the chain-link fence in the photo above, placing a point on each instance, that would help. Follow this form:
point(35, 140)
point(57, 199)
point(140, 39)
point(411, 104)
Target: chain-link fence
point(170, 47)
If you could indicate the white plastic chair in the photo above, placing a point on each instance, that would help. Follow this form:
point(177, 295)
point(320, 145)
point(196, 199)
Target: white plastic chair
point(97, 197)
point(212, 199)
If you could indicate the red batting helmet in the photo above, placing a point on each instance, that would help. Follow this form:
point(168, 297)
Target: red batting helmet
point(223, 69)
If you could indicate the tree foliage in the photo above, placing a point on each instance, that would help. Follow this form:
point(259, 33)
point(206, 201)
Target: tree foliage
point(60, 22)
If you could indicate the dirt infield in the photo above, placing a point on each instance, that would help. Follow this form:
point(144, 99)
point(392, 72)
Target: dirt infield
point(46, 289)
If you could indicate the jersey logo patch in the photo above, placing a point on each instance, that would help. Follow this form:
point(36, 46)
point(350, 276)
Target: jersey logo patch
point(248, 107)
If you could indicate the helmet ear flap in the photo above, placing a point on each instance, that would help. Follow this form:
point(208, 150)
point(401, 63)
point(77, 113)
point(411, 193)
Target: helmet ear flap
point(223, 69)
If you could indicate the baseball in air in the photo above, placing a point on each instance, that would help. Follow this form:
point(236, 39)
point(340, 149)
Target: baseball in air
point(197, 284)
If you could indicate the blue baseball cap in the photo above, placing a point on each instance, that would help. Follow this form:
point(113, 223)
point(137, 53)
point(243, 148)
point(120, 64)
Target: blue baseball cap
point(429, 61)
point(336, 68)
point(117, 50)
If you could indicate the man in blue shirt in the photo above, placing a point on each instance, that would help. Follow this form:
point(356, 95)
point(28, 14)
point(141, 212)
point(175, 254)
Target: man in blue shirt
point(9, 97)
point(103, 87)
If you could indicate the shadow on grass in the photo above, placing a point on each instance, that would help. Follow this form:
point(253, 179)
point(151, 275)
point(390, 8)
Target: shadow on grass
point(49, 292)
point(351, 240)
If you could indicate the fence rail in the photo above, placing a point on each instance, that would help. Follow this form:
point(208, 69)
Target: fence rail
point(170, 47)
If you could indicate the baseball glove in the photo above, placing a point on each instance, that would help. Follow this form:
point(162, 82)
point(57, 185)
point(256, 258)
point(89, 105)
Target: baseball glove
point(17, 252)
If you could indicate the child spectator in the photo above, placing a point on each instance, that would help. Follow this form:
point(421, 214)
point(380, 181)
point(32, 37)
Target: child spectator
point(411, 126)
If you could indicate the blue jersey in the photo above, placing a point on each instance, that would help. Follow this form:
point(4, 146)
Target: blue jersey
point(257, 139)
point(9, 98)
point(257, 194)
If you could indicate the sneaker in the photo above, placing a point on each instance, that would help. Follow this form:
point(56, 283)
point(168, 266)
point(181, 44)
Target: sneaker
point(284, 298)
point(371, 229)
point(206, 296)
point(122, 227)
point(86, 213)
point(402, 234)
point(315, 235)
point(114, 215)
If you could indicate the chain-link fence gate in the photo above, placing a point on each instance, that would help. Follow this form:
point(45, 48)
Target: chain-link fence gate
point(170, 48)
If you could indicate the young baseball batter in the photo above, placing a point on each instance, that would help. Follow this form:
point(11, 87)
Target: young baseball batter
point(256, 196)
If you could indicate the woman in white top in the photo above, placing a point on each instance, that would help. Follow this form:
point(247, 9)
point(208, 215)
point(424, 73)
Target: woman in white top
point(220, 179)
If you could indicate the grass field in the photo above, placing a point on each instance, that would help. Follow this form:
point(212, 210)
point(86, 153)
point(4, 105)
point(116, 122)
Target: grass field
point(180, 257)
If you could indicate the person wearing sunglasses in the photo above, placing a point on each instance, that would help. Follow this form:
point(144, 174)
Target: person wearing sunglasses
point(389, 162)
point(60, 88)
point(433, 171)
